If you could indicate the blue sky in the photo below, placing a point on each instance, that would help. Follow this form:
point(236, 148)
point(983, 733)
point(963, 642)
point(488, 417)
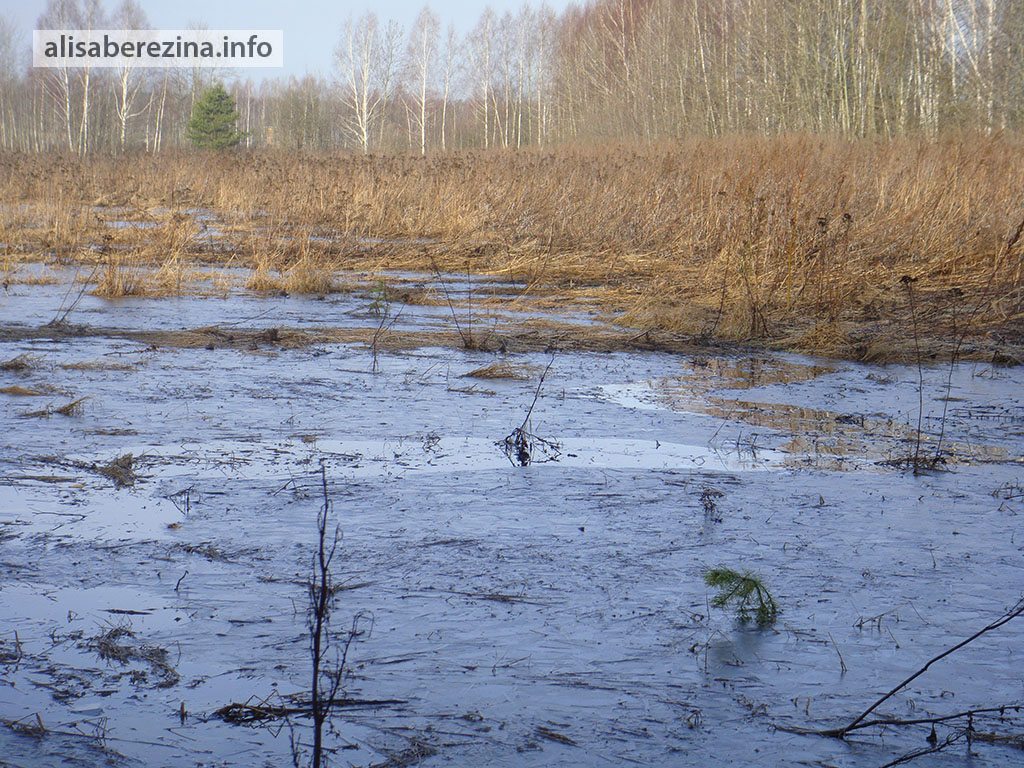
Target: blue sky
point(311, 29)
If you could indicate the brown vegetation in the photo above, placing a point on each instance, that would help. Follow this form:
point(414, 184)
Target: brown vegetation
point(18, 391)
point(794, 241)
point(503, 371)
point(73, 408)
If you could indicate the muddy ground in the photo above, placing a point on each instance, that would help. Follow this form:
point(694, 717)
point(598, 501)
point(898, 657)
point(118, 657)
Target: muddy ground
point(160, 482)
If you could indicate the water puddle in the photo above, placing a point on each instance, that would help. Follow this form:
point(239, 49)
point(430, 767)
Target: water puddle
point(821, 437)
point(707, 373)
point(157, 541)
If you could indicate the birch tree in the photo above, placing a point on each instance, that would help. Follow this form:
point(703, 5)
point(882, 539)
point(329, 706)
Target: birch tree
point(61, 14)
point(480, 51)
point(421, 54)
point(9, 44)
point(366, 60)
point(127, 80)
point(451, 48)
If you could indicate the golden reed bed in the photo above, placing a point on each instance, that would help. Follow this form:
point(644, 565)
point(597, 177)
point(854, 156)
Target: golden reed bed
point(804, 242)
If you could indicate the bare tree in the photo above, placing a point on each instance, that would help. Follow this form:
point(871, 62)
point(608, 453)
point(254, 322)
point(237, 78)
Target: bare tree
point(541, 51)
point(451, 48)
point(421, 53)
point(93, 17)
point(61, 14)
point(10, 42)
point(390, 68)
point(480, 49)
point(638, 69)
point(128, 15)
point(366, 62)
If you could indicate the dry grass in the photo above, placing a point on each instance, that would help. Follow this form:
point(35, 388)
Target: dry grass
point(122, 275)
point(73, 408)
point(172, 278)
point(117, 644)
point(17, 391)
point(140, 273)
point(13, 273)
point(121, 470)
point(20, 364)
point(504, 371)
point(310, 276)
point(795, 241)
point(98, 365)
point(264, 277)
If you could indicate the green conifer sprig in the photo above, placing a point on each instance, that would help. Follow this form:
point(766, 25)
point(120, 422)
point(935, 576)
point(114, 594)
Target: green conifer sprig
point(745, 591)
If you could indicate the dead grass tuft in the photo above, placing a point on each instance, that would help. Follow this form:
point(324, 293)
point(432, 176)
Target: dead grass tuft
point(99, 365)
point(117, 644)
point(831, 339)
point(20, 364)
point(74, 408)
point(264, 278)
point(172, 278)
point(12, 273)
point(310, 276)
point(17, 391)
point(121, 276)
point(106, 644)
point(504, 371)
point(120, 470)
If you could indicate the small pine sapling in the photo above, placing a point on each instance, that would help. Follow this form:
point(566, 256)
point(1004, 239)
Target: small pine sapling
point(746, 592)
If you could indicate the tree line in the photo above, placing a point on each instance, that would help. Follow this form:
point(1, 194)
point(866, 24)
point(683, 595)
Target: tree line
point(608, 69)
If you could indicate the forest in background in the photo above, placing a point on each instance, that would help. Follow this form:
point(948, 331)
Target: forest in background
point(610, 69)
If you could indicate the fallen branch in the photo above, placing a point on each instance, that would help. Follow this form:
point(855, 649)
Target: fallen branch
point(861, 720)
point(937, 720)
point(245, 713)
point(938, 747)
point(1010, 615)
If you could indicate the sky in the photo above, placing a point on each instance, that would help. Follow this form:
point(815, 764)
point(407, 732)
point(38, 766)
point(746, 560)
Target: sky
point(311, 29)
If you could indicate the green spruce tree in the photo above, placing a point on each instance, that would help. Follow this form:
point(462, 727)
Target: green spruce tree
point(213, 120)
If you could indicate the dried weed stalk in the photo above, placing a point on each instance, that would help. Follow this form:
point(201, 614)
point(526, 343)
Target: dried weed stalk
point(521, 446)
point(328, 660)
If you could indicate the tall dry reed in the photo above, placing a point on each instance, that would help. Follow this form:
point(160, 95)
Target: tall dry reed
point(801, 239)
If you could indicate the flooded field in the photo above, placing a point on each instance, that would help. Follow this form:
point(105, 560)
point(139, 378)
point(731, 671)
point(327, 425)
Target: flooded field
point(160, 479)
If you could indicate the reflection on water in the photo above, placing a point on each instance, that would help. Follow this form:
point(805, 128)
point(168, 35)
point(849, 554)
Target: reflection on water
point(747, 372)
point(823, 438)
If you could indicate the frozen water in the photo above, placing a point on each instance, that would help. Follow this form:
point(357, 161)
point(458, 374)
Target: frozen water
point(553, 614)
